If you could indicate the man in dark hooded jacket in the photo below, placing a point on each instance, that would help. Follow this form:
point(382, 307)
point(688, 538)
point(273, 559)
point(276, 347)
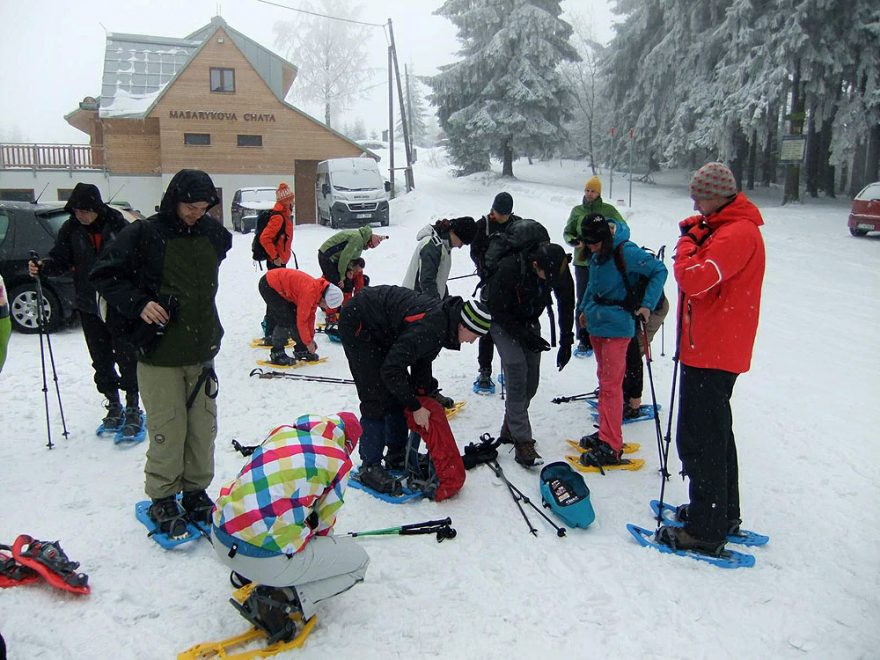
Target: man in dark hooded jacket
point(391, 335)
point(160, 276)
point(81, 240)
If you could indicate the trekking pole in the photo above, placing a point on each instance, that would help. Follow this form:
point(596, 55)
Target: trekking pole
point(442, 528)
point(259, 373)
point(663, 339)
point(657, 428)
point(496, 468)
point(461, 277)
point(560, 531)
point(577, 397)
point(43, 330)
point(668, 438)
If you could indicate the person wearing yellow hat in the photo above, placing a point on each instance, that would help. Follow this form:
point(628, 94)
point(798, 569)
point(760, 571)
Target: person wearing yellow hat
point(591, 203)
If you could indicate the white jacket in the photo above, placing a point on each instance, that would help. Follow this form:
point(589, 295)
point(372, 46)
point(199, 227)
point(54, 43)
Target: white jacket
point(430, 264)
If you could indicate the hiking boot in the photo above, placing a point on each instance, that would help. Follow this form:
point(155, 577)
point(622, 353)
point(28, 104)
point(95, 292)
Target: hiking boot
point(270, 609)
point(631, 413)
point(395, 459)
point(168, 517)
point(445, 401)
point(280, 358)
point(114, 417)
point(681, 515)
point(525, 454)
point(305, 356)
point(378, 478)
point(198, 505)
point(601, 454)
point(589, 442)
point(133, 422)
point(678, 538)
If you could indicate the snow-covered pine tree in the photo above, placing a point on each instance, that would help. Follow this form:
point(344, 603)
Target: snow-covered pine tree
point(505, 96)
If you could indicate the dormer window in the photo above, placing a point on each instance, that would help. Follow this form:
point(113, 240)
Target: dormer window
point(222, 80)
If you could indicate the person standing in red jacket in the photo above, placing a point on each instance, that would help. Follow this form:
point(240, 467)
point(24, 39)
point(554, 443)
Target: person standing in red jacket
point(719, 267)
point(276, 239)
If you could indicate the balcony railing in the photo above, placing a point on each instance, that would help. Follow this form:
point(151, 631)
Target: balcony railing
point(51, 157)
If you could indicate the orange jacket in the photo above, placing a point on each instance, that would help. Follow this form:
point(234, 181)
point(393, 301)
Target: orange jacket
point(281, 217)
point(721, 283)
point(302, 290)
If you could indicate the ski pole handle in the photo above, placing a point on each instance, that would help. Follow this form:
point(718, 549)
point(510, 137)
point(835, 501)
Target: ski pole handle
point(428, 523)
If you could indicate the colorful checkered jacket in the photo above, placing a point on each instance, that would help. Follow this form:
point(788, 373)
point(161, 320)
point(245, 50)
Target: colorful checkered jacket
point(298, 471)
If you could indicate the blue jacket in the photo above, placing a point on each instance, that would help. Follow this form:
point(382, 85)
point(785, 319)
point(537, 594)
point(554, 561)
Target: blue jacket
point(606, 283)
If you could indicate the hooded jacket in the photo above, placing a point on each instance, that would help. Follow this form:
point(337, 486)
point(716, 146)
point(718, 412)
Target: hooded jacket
point(165, 260)
point(578, 213)
point(302, 290)
point(720, 284)
point(409, 329)
point(346, 245)
point(280, 220)
point(78, 246)
point(297, 475)
point(606, 284)
point(430, 264)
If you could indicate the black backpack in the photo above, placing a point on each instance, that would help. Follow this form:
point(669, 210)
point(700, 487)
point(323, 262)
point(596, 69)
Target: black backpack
point(257, 249)
point(635, 294)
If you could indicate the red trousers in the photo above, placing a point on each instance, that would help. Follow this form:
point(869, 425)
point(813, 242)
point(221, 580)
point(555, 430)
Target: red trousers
point(610, 367)
point(441, 445)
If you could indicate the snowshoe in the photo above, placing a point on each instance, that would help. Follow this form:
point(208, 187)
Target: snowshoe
point(583, 350)
point(266, 342)
point(198, 506)
point(399, 494)
point(726, 558)
point(379, 479)
point(677, 515)
point(645, 412)
point(175, 520)
point(455, 409)
point(13, 574)
point(278, 358)
point(484, 384)
point(678, 538)
point(584, 444)
point(564, 492)
point(113, 420)
point(526, 455)
point(292, 363)
point(271, 609)
point(601, 458)
point(48, 559)
point(133, 429)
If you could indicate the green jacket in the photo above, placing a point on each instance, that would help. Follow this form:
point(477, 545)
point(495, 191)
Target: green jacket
point(346, 245)
point(5, 323)
point(578, 213)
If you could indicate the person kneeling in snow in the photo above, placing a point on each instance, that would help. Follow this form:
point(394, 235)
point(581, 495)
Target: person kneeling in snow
point(273, 525)
point(292, 297)
point(391, 335)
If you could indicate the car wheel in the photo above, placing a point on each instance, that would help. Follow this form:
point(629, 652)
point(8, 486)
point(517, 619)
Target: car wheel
point(334, 222)
point(855, 231)
point(23, 309)
point(384, 223)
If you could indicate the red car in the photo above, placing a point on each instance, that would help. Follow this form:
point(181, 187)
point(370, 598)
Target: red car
point(865, 213)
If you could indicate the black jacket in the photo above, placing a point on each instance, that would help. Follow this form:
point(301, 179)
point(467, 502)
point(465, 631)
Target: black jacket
point(78, 246)
point(131, 271)
point(410, 329)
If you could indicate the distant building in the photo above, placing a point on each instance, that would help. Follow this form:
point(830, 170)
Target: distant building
point(213, 100)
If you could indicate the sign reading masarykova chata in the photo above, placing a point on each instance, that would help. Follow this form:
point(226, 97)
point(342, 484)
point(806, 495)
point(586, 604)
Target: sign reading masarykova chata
point(206, 115)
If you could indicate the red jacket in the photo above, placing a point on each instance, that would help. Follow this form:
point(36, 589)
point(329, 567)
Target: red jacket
point(302, 290)
point(720, 281)
point(281, 216)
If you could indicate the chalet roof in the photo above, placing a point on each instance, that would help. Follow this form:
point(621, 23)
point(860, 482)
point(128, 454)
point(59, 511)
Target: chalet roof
point(139, 68)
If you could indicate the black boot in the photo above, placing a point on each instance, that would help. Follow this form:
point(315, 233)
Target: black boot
point(279, 357)
point(601, 454)
point(378, 478)
point(132, 423)
point(678, 538)
point(113, 419)
point(168, 517)
point(199, 506)
point(270, 610)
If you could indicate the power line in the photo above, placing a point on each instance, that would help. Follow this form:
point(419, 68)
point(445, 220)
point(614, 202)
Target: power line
point(312, 13)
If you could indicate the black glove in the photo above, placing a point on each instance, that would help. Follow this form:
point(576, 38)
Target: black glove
point(563, 355)
point(534, 343)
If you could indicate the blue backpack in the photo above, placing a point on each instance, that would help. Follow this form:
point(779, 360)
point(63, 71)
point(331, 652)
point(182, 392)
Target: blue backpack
point(565, 493)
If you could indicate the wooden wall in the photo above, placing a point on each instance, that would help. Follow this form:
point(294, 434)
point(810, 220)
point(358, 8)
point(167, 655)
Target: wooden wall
point(131, 146)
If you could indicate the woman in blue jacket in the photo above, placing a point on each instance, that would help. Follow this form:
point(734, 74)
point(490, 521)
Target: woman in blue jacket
point(609, 308)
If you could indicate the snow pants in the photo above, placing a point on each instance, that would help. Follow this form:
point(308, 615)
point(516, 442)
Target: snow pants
point(610, 365)
point(268, 323)
point(485, 353)
point(180, 456)
point(280, 317)
point(325, 567)
point(522, 372)
point(707, 450)
point(441, 445)
point(107, 351)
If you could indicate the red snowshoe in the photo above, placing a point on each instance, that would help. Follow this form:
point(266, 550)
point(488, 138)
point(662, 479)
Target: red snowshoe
point(13, 574)
point(49, 561)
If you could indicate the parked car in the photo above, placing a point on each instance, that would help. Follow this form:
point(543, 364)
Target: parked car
point(865, 213)
point(350, 192)
point(246, 204)
point(25, 227)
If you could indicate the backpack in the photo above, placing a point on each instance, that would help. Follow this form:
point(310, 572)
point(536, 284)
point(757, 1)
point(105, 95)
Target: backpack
point(521, 238)
point(634, 294)
point(257, 250)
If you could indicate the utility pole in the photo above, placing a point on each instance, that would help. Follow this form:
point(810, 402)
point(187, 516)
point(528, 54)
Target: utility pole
point(390, 123)
point(410, 183)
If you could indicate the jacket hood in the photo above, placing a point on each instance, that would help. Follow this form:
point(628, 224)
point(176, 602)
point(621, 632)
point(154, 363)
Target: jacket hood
point(621, 233)
point(366, 232)
point(189, 186)
point(424, 232)
point(86, 197)
point(740, 209)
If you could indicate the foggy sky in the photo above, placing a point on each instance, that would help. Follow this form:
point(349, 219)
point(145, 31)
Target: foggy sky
point(52, 51)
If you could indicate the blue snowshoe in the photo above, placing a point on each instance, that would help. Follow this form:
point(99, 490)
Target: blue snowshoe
point(565, 493)
point(484, 384)
point(133, 429)
point(113, 420)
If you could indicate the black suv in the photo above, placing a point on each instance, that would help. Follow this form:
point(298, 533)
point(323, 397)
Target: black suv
point(25, 227)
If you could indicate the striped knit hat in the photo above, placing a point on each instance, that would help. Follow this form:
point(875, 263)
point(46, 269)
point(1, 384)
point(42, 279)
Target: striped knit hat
point(713, 180)
point(284, 193)
point(476, 317)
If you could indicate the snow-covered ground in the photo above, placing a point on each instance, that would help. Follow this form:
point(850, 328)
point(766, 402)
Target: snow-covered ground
point(809, 475)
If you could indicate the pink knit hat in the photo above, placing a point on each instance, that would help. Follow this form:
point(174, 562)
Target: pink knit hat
point(713, 180)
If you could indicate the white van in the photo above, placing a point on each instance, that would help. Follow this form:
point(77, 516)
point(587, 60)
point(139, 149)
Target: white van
point(351, 192)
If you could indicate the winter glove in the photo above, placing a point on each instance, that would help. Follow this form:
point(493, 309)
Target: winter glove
point(563, 355)
point(534, 343)
point(699, 233)
point(688, 223)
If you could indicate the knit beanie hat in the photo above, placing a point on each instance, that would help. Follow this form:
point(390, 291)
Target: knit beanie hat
point(713, 180)
point(333, 296)
point(475, 316)
point(465, 228)
point(593, 183)
point(284, 193)
point(503, 203)
point(352, 429)
point(595, 228)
